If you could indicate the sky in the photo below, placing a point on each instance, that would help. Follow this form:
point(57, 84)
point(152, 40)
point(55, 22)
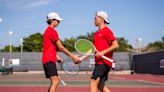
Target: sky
point(131, 19)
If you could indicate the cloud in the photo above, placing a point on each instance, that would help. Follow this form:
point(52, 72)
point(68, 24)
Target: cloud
point(23, 4)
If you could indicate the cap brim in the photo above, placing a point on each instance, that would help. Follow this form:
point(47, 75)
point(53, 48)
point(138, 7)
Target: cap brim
point(60, 19)
point(107, 22)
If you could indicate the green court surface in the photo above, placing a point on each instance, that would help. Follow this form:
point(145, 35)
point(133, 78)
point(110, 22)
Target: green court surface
point(80, 80)
point(78, 83)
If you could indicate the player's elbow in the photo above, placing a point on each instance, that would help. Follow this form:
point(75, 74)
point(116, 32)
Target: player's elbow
point(60, 48)
point(116, 45)
point(59, 45)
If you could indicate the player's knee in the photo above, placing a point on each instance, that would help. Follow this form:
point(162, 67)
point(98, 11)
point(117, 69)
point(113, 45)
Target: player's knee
point(55, 80)
point(106, 90)
point(100, 87)
point(103, 88)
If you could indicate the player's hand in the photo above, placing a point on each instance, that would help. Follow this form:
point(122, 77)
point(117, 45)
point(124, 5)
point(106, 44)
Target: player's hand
point(83, 57)
point(76, 60)
point(99, 54)
point(59, 60)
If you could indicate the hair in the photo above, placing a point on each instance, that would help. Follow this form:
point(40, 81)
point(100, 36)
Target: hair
point(106, 22)
point(49, 21)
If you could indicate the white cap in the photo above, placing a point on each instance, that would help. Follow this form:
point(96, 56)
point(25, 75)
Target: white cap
point(54, 15)
point(103, 15)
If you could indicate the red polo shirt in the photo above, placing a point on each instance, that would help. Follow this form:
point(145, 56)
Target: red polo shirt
point(49, 45)
point(103, 40)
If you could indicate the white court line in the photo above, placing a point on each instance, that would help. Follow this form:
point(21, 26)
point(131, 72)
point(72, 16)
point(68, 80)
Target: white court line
point(63, 82)
point(151, 82)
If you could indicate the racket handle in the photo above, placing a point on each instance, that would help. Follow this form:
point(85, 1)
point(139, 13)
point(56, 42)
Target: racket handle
point(104, 57)
point(83, 57)
point(113, 65)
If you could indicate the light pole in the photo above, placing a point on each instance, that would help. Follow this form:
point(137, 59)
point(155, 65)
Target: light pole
point(10, 38)
point(0, 46)
point(0, 43)
point(21, 40)
point(139, 45)
point(163, 36)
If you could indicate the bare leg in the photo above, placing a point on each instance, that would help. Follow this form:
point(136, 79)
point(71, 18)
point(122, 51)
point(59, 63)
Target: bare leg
point(94, 84)
point(102, 87)
point(54, 83)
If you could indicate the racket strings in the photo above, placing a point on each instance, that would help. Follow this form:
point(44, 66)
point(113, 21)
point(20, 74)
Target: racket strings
point(84, 47)
point(70, 68)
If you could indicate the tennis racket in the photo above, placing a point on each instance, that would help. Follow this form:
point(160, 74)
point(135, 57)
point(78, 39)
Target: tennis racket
point(69, 67)
point(85, 47)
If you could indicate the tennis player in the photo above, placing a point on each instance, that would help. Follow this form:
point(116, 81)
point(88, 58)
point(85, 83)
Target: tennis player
point(51, 43)
point(105, 43)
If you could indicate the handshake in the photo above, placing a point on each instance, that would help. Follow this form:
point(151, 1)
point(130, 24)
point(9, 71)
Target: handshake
point(76, 58)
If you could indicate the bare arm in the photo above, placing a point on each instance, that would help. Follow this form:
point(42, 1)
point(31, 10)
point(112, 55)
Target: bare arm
point(86, 55)
point(111, 48)
point(63, 49)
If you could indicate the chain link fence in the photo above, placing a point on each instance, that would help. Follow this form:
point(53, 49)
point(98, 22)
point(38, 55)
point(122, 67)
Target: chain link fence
point(31, 61)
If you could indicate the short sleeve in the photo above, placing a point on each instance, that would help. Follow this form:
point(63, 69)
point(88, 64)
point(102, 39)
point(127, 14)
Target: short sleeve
point(110, 36)
point(54, 36)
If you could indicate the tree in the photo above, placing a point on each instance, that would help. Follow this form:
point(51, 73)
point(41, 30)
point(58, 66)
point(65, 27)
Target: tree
point(123, 44)
point(69, 43)
point(33, 43)
point(156, 46)
point(89, 36)
point(7, 49)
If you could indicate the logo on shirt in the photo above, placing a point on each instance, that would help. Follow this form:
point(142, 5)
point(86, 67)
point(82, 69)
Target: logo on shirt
point(99, 34)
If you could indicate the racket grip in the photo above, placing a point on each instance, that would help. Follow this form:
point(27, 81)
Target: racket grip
point(113, 65)
point(83, 57)
point(104, 57)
